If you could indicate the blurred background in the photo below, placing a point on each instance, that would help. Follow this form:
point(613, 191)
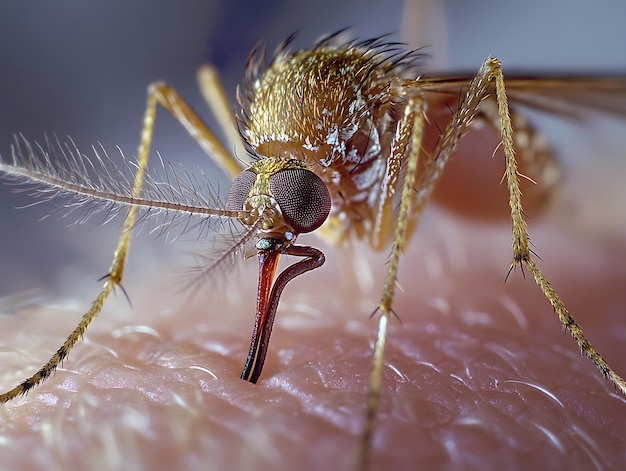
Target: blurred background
point(81, 69)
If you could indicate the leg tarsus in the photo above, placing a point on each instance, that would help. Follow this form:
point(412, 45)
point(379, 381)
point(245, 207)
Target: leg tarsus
point(570, 324)
point(521, 242)
point(63, 351)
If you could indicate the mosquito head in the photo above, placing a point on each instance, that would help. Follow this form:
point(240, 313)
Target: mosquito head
point(283, 194)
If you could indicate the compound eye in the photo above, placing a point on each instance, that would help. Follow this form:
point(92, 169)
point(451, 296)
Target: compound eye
point(303, 198)
point(240, 190)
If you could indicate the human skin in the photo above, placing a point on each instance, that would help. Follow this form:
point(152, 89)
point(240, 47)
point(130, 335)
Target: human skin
point(479, 374)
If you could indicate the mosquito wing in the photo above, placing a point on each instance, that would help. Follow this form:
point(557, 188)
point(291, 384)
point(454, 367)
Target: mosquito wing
point(568, 95)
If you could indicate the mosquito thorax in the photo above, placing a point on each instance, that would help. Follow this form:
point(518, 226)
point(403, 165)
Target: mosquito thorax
point(283, 193)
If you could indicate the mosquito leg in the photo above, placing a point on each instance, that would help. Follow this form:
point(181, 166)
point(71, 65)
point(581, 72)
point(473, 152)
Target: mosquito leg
point(385, 214)
point(116, 270)
point(409, 135)
point(413, 200)
point(169, 99)
point(521, 250)
point(490, 74)
point(217, 99)
point(533, 154)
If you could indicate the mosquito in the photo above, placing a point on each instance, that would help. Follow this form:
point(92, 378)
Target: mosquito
point(335, 136)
